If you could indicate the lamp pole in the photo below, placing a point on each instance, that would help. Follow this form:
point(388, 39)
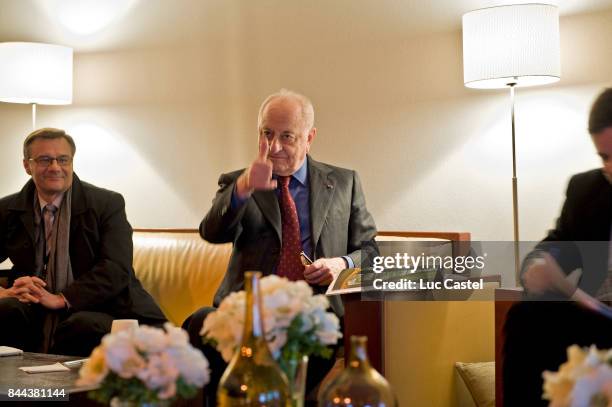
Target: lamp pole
point(33, 116)
point(514, 187)
point(507, 46)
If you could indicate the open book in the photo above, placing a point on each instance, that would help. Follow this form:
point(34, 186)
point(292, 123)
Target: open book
point(347, 281)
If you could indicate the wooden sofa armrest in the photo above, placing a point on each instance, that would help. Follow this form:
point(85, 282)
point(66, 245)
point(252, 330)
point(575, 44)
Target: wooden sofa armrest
point(454, 236)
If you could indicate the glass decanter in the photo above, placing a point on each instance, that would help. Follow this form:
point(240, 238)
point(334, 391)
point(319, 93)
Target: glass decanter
point(359, 384)
point(253, 378)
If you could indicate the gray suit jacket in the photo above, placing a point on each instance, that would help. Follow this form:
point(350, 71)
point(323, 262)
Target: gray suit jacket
point(340, 222)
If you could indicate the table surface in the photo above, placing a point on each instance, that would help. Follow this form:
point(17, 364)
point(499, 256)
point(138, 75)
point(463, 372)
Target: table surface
point(11, 377)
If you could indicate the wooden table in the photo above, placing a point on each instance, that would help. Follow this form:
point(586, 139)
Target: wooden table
point(13, 378)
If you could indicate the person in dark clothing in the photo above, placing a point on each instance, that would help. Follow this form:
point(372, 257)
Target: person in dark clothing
point(71, 248)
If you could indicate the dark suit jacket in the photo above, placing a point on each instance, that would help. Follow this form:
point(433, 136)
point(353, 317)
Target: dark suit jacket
point(581, 236)
point(339, 222)
point(100, 250)
point(537, 333)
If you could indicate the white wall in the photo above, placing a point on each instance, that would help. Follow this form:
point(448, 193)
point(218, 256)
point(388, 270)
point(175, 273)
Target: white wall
point(159, 123)
point(153, 124)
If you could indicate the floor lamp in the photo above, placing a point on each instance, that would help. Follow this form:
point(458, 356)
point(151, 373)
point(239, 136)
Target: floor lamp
point(509, 47)
point(35, 73)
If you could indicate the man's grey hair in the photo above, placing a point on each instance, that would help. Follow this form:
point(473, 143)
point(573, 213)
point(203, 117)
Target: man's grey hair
point(46, 133)
point(305, 103)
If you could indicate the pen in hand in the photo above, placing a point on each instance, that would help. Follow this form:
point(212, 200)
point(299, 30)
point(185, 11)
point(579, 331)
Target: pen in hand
point(306, 261)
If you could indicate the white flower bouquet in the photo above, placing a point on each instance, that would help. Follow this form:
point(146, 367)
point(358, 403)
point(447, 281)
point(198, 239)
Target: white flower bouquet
point(145, 365)
point(296, 322)
point(585, 380)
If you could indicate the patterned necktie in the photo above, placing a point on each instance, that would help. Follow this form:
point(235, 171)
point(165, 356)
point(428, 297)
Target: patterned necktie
point(289, 263)
point(49, 216)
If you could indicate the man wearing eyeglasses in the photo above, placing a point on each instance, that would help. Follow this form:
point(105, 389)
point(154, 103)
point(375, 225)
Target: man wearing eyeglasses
point(71, 248)
point(539, 332)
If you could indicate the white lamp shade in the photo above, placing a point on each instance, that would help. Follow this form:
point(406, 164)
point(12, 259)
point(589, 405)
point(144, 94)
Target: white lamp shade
point(35, 73)
point(511, 44)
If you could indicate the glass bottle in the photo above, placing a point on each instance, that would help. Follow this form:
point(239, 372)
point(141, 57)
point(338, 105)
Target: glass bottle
point(253, 378)
point(359, 384)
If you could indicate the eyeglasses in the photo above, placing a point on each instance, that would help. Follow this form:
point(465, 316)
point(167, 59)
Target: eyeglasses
point(45, 161)
point(283, 138)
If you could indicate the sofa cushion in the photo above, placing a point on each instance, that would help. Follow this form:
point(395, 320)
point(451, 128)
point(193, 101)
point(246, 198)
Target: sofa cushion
point(479, 378)
point(179, 269)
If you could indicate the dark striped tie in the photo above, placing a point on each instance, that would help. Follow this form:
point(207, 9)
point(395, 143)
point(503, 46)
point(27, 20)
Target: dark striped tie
point(49, 216)
point(289, 263)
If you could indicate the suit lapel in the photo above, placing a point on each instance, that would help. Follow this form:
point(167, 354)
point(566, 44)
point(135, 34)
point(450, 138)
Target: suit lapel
point(321, 194)
point(268, 204)
point(25, 205)
point(79, 204)
point(604, 209)
point(27, 218)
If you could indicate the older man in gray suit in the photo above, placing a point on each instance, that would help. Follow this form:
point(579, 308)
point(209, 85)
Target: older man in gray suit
point(284, 203)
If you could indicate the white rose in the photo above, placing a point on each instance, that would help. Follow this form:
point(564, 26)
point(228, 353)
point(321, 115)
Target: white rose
point(160, 374)
point(328, 328)
point(591, 384)
point(273, 283)
point(282, 302)
point(191, 364)
point(281, 307)
point(227, 332)
point(149, 339)
point(319, 301)
point(175, 336)
point(557, 389)
point(94, 370)
point(121, 356)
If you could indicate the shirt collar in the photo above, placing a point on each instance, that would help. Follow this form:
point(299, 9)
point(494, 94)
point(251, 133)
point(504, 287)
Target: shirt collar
point(301, 174)
point(56, 202)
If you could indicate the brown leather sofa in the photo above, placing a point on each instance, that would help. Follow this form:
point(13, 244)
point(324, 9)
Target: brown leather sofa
point(179, 269)
point(414, 344)
point(182, 271)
